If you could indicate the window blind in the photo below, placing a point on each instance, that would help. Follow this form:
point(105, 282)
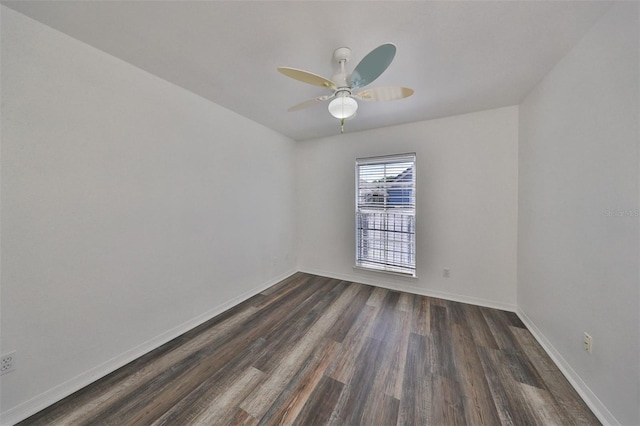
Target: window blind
point(385, 213)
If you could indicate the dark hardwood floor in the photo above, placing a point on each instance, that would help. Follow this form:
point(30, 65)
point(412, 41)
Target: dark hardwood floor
point(313, 351)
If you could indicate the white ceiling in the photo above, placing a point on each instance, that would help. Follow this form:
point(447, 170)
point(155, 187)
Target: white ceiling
point(459, 57)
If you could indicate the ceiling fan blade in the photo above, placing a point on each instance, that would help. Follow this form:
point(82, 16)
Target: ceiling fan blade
point(389, 93)
point(372, 65)
point(309, 103)
point(307, 77)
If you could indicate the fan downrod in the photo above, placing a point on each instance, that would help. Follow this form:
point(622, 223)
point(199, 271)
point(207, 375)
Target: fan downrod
point(341, 55)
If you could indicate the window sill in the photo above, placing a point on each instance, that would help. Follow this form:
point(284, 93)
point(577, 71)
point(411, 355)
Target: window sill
point(381, 271)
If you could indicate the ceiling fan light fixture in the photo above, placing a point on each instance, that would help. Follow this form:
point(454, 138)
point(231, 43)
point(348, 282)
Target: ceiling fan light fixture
point(343, 107)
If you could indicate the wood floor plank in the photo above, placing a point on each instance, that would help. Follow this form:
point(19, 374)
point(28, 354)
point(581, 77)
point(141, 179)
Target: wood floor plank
point(500, 329)
point(291, 295)
point(542, 406)
point(292, 400)
point(352, 403)
point(447, 402)
point(479, 408)
point(242, 418)
point(222, 409)
point(422, 315)
point(456, 312)
point(512, 319)
point(398, 356)
point(377, 296)
point(442, 362)
point(296, 323)
point(383, 324)
point(381, 409)
point(209, 390)
point(512, 409)
point(346, 320)
point(171, 386)
point(522, 370)
point(343, 366)
point(405, 303)
point(570, 407)
point(319, 408)
point(415, 404)
point(313, 350)
point(479, 328)
point(219, 407)
point(387, 374)
point(261, 399)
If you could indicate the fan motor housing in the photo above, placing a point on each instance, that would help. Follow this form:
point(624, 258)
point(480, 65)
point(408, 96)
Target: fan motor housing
point(342, 54)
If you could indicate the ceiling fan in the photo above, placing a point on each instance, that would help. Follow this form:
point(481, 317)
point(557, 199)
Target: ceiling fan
point(344, 86)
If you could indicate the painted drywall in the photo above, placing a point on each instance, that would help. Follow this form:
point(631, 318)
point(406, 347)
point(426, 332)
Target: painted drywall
point(466, 204)
point(578, 213)
point(131, 210)
point(123, 209)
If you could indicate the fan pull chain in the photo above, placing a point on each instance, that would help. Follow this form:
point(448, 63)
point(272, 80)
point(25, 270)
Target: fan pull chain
point(342, 126)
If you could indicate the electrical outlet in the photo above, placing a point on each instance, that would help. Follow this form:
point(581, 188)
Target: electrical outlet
point(446, 272)
point(588, 342)
point(8, 363)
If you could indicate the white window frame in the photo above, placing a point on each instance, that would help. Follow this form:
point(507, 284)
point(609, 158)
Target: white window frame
point(378, 246)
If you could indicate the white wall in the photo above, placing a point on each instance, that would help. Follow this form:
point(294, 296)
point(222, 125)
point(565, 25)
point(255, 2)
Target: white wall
point(131, 210)
point(577, 264)
point(124, 217)
point(466, 207)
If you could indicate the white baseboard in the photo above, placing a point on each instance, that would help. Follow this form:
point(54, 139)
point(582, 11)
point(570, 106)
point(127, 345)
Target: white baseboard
point(576, 381)
point(409, 288)
point(53, 395)
point(49, 397)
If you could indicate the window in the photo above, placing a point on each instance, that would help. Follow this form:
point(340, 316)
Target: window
point(386, 213)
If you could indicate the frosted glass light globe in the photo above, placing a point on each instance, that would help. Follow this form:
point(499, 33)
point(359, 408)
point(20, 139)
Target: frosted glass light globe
point(343, 107)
